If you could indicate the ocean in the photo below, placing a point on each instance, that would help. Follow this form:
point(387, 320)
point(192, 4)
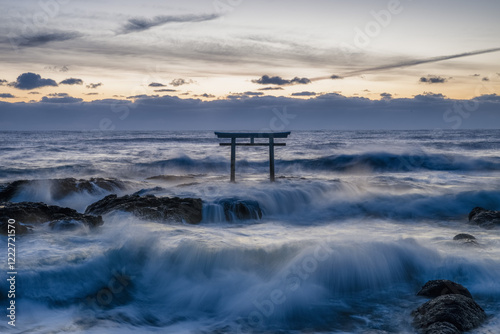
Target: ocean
point(355, 224)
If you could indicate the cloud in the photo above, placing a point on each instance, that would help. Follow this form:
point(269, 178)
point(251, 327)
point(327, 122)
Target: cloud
point(205, 95)
point(277, 80)
point(271, 88)
point(2, 82)
point(326, 111)
point(60, 98)
point(65, 68)
point(6, 96)
point(94, 85)
point(493, 98)
point(386, 96)
point(334, 76)
point(429, 96)
point(180, 82)
point(476, 75)
point(33, 93)
point(244, 95)
point(432, 79)
point(411, 62)
point(156, 84)
point(72, 81)
point(142, 96)
point(91, 94)
point(485, 79)
point(141, 24)
point(30, 80)
point(304, 94)
point(253, 93)
point(44, 38)
point(165, 90)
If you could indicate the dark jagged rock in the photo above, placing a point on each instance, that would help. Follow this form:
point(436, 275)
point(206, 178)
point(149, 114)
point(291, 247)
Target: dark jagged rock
point(60, 188)
point(8, 191)
point(37, 213)
point(151, 207)
point(442, 328)
point(452, 310)
point(465, 238)
point(436, 288)
point(460, 311)
point(484, 218)
point(240, 209)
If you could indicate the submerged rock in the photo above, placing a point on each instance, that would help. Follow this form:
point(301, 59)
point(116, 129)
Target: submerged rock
point(464, 236)
point(25, 213)
point(442, 287)
point(235, 209)
point(60, 188)
point(460, 311)
point(452, 310)
point(151, 207)
point(484, 218)
point(465, 239)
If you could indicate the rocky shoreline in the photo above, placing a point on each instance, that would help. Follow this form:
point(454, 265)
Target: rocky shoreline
point(31, 215)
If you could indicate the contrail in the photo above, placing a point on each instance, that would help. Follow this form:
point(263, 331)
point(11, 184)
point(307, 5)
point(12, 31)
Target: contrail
point(406, 64)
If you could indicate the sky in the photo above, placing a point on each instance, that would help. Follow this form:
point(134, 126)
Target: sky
point(249, 64)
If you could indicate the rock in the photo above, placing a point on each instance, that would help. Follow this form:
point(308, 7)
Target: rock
point(442, 328)
point(151, 207)
point(37, 213)
point(465, 238)
point(60, 188)
point(484, 218)
point(235, 209)
point(458, 310)
point(442, 287)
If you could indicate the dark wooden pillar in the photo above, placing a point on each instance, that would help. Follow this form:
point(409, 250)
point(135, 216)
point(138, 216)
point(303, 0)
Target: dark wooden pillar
point(271, 159)
point(233, 159)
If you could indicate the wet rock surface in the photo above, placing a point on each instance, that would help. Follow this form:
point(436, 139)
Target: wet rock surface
point(484, 218)
point(465, 238)
point(436, 288)
point(160, 209)
point(29, 214)
point(452, 309)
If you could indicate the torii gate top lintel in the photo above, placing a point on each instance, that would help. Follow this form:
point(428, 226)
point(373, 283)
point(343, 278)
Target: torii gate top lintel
point(252, 136)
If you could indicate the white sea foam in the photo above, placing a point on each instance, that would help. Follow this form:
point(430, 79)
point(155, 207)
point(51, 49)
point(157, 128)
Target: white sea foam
point(347, 236)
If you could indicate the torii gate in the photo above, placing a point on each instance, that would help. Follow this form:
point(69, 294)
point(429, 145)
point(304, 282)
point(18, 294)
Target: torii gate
point(252, 136)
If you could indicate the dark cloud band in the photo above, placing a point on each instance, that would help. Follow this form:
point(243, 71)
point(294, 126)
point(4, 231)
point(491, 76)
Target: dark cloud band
point(408, 63)
point(277, 80)
point(141, 24)
point(44, 38)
